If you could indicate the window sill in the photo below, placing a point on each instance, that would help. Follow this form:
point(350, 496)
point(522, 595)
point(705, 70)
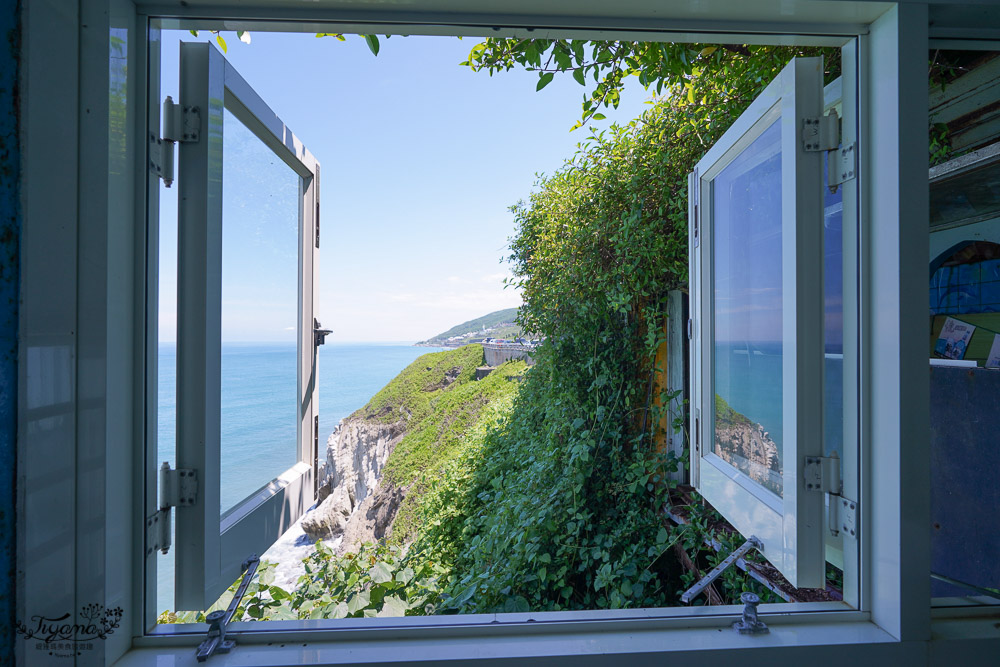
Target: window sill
point(577, 638)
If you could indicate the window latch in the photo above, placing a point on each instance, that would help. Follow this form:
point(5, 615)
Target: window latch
point(822, 474)
point(319, 333)
point(179, 124)
point(178, 488)
point(750, 623)
point(218, 620)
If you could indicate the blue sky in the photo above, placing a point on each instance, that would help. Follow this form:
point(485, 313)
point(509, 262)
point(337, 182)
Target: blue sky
point(420, 159)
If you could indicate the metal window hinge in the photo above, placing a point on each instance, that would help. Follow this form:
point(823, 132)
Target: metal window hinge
point(317, 224)
point(218, 620)
point(180, 124)
point(843, 517)
point(178, 488)
point(842, 165)
point(821, 133)
point(822, 474)
point(690, 329)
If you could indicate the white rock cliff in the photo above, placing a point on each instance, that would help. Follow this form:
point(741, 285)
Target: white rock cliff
point(356, 453)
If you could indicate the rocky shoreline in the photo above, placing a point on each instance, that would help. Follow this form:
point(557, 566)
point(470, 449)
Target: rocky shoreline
point(353, 506)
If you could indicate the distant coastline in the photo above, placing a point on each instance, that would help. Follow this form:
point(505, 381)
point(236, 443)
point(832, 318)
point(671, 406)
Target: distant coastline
point(500, 324)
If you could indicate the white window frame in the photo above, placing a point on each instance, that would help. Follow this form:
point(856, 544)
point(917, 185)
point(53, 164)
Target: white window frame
point(852, 597)
point(791, 527)
point(64, 53)
point(209, 550)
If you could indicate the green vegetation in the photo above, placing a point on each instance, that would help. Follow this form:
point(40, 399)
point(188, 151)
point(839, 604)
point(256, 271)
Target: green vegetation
point(377, 581)
point(552, 496)
point(726, 415)
point(474, 329)
point(411, 395)
point(456, 419)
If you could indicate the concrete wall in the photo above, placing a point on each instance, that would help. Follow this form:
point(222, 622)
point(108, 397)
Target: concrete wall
point(497, 353)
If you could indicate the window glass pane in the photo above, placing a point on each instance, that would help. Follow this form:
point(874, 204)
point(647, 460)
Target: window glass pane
point(260, 266)
point(833, 295)
point(747, 302)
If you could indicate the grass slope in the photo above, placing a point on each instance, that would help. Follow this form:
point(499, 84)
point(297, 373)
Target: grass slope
point(441, 403)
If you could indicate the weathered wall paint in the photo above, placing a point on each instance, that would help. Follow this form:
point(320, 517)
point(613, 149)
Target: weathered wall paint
point(10, 232)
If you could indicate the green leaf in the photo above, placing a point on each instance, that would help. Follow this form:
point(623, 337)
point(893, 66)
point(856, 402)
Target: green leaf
point(516, 605)
point(282, 613)
point(404, 575)
point(380, 572)
point(279, 593)
point(579, 76)
point(600, 414)
point(543, 80)
point(372, 42)
point(339, 611)
point(222, 43)
point(393, 606)
point(358, 602)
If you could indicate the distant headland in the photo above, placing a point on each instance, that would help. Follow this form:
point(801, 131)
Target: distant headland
point(497, 325)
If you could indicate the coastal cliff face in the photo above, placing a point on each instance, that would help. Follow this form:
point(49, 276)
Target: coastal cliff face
point(747, 446)
point(356, 453)
point(380, 459)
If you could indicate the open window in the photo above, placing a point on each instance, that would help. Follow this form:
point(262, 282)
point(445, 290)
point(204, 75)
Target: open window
point(757, 304)
point(247, 238)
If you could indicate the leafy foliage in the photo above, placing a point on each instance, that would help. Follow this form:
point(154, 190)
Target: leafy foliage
point(410, 395)
point(550, 514)
point(455, 421)
point(553, 498)
point(733, 71)
point(377, 581)
point(564, 505)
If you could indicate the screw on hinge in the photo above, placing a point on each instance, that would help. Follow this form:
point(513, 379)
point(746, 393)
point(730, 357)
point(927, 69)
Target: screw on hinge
point(750, 624)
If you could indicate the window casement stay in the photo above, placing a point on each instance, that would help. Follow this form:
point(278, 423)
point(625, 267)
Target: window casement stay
point(218, 620)
point(691, 593)
point(821, 474)
point(178, 488)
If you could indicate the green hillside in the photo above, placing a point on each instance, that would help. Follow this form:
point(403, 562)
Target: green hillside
point(473, 330)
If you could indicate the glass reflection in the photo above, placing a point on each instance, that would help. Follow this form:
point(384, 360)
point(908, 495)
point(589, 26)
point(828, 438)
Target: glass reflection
point(747, 305)
point(260, 269)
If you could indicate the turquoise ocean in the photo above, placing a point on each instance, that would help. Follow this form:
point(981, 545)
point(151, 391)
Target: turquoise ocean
point(258, 411)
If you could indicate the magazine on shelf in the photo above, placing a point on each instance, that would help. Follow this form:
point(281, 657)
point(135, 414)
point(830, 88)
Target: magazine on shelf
point(954, 339)
point(993, 361)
